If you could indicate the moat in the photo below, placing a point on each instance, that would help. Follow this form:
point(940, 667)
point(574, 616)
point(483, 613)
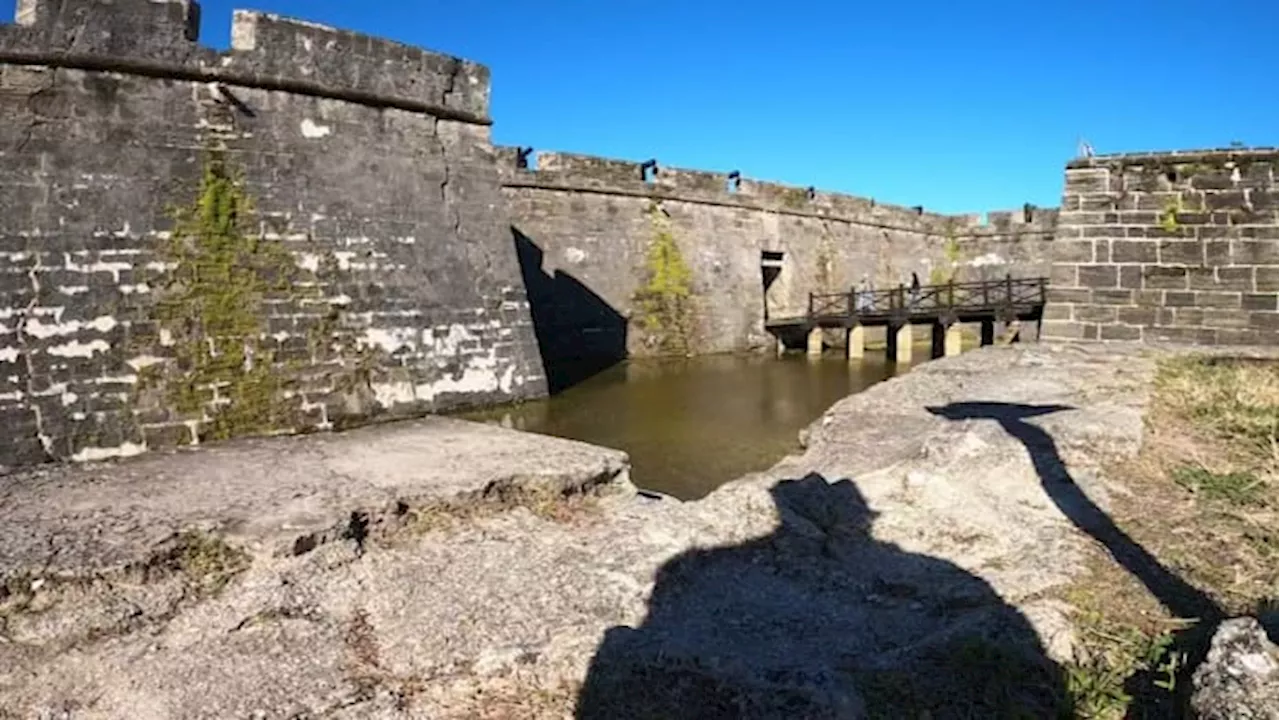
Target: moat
point(691, 424)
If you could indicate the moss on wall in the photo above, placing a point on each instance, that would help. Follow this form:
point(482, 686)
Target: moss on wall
point(824, 270)
point(665, 302)
point(795, 198)
point(223, 368)
point(952, 256)
point(1169, 215)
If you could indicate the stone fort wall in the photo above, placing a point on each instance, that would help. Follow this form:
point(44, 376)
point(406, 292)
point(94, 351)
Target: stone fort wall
point(344, 254)
point(593, 223)
point(1168, 247)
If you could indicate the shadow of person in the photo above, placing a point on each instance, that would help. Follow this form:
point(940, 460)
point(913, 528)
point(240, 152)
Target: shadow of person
point(820, 620)
point(1179, 597)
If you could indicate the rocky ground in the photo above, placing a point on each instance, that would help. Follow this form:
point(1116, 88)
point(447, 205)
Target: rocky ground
point(908, 560)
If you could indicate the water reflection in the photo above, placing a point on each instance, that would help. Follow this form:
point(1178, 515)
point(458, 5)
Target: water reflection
point(690, 424)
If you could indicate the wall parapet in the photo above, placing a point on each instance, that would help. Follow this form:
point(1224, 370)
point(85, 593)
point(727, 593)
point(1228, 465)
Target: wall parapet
point(1177, 247)
point(572, 172)
point(1163, 157)
point(159, 38)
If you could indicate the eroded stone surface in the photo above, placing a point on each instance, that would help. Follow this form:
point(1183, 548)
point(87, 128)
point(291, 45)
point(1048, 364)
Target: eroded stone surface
point(1238, 678)
point(791, 592)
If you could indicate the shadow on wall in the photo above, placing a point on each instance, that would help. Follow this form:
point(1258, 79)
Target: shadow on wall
point(579, 334)
point(819, 620)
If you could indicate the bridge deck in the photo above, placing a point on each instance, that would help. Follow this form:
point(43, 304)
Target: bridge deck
point(1008, 299)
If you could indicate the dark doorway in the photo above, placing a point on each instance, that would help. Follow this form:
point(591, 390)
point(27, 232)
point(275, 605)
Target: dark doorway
point(770, 269)
point(579, 334)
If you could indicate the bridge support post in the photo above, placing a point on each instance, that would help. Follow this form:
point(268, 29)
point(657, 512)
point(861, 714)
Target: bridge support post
point(855, 343)
point(899, 343)
point(988, 332)
point(952, 342)
point(780, 347)
point(814, 344)
point(946, 339)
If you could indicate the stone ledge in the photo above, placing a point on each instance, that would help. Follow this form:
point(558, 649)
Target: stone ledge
point(275, 496)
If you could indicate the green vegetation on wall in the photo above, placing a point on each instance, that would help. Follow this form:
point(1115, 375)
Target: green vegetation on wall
point(952, 257)
point(795, 198)
point(223, 368)
point(1169, 216)
point(665, 302)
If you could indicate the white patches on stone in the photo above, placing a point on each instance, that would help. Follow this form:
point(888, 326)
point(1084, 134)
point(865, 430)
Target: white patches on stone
point(344, 259)
point(75, 348)
point(54, 389)
point(340, 300)
point(69, 398)
point(574, 256)
point(26, 14)
point(406, 240)
point(325, 423)
point(73, 289)
point(38, 329)
point(390, 339)
point(308, 261)
point(132, 289)
point(392, 394)
point(127, 449)
point(166, 337)
point(285, 237)
point(114, 268)
point(311, 130)
point(15, 395)
point(244, 31)
point(143, 361)
point(458, 343)
point(158, 266)
point(988, 259)
point(473, 380)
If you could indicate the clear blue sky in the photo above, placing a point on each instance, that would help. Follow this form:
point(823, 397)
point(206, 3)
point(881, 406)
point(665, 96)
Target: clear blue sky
point(959, 105)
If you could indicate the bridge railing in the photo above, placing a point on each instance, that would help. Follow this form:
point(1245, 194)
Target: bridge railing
point(953, 296)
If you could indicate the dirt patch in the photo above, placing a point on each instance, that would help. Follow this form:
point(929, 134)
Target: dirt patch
point(1201, 497)
point(570, 506)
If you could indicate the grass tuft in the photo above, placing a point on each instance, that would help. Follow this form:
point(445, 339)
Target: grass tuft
point(1202, 497)
point(1236, 488)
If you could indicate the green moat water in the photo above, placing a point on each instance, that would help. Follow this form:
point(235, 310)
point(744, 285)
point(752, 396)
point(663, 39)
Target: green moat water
point(692, 424)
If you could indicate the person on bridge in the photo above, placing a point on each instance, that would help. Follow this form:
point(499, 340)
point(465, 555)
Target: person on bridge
point(915, 288)
point(863, 303)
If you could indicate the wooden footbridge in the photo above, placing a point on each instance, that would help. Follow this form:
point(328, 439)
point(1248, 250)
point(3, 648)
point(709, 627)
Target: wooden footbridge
point(1012, 302)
